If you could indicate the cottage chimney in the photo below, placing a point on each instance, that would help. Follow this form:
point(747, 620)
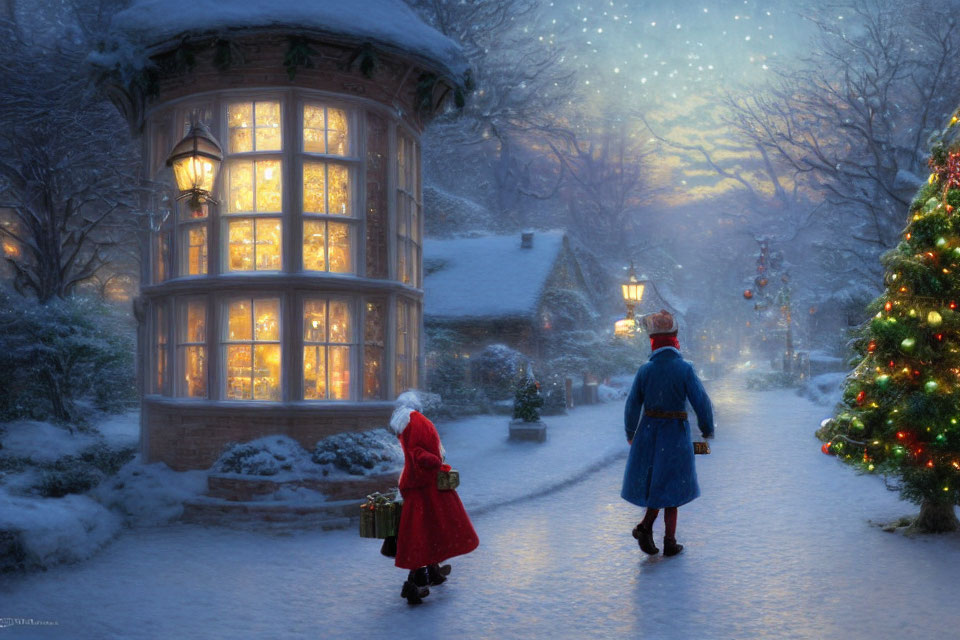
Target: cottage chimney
point(526, 240)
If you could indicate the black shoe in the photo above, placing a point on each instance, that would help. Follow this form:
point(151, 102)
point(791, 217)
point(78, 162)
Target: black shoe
point(437, 574)
point(413, 593)
point(670, 546)
point(645, 537)
point(419, 577)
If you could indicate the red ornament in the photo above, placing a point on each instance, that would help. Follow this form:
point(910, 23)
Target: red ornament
point(748, 294)
point(861, 397)
point(872, 346)
point(953, 305)
point(826, 448)
point(888, 306)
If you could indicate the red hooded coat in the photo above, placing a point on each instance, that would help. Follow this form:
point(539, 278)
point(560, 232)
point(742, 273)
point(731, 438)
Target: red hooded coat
point(433, 524)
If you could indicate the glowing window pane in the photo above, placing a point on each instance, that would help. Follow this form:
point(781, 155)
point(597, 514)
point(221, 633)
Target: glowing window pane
point(269, 188)
point(196, 321)
point(266, 372)
point(340, 250)
point(194, 372)
point(239, 321)
point(339, 372)
point(314, 245)
point(339, 321)
point(269, 239)
point(315, 321)
point(314, 373)
point(160, 330)
point(338, 186)
point(195, 243)
point(239, 123)
point(314, 128)
point(374, 338)
point(314, 187)
point(239, 366)
point(241, 247)
point(337, 134)
point(239, 186)
point(267, 116)
point(266, 315)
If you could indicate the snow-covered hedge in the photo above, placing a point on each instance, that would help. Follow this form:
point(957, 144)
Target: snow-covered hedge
point(361, 453)
point(263, 457)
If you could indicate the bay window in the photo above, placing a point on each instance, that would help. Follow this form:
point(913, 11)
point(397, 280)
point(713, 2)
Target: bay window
point(408, 346)
point(408, 211)
point(160, 348)
point(374, 343)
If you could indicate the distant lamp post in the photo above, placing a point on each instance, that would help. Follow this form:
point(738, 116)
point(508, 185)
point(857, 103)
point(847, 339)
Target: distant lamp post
point(632, 291)
point(196, 161)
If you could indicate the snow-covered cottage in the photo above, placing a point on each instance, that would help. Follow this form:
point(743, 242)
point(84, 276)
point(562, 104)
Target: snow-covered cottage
point(294, 305)
point(506, 289)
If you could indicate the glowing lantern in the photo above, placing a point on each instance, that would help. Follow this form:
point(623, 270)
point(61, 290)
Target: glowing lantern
point(632, 291)
point(196, 161)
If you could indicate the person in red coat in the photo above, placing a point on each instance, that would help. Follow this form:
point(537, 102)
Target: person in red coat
point(433, 524)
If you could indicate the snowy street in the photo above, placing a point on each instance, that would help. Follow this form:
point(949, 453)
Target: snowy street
point(777, 546)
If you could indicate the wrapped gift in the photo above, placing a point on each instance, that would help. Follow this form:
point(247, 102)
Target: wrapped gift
point(380, 515)
point(448, 479)
point(701, 448)
point(368, 528)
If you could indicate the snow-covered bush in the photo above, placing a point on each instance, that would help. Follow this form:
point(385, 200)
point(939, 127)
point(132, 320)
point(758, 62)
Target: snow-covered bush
point(576, 352)
point(61, 358)
point(80, 473)
point(150, 494)
point(359, 453)
point(554, 390)
point(448, 375)
point(496, 370)
point(825, 389)
point(263, 457)
point(773, 380)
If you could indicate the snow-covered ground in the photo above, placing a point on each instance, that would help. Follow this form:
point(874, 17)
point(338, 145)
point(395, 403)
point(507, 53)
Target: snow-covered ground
point(779, 545)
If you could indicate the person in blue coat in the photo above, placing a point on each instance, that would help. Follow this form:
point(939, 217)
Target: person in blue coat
point(660, 471)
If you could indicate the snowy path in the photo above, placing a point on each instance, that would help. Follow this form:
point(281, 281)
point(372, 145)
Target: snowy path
point(778, 546)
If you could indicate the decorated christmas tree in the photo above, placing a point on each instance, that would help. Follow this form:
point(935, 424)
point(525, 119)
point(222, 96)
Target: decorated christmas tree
point(902, 401)
point(527, 401)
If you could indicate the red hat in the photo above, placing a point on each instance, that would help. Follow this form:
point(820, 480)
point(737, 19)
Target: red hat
point(659, 323)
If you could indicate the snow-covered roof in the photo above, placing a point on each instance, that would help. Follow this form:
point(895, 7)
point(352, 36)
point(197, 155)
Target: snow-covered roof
point(488, 276)
point(388, 23)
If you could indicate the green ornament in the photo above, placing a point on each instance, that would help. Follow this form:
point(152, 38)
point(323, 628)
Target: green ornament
point(931, 386)
point(913, 313)
point(941, 242)
point(882, 380)
point(956, 251)
point(931, 205)
point(908, 344)
point(941, 437)
point(857, 423)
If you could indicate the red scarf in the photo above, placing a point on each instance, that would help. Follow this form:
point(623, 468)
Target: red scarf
point(664, 340)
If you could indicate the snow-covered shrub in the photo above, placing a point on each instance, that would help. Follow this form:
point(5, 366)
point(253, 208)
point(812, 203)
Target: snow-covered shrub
point(554, 390)
point(448, 376)
point(773, 380)
point(150, 494)
point(60, 358)
point(576, 352)
point(359, 453)
point(263, 457)
point(496, 370)
point(825, 389)
point(80, 473)
point(611, 394)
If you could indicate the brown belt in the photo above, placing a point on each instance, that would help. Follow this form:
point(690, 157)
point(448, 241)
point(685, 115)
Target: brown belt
point(670, 415)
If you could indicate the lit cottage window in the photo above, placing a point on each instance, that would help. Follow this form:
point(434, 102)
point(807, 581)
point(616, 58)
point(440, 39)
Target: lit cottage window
point(251, 349)
point(193, 240)
point(160, 348)
point(374, 341)
point(192, 350)
point(408, 345)
point(254, 187)
point(408, 211)
point(328, 213)
point(327, 349)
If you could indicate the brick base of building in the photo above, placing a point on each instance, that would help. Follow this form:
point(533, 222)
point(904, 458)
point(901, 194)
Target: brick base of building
point(192, 435)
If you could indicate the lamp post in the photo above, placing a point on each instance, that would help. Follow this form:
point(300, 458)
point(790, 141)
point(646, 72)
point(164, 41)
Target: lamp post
point(632, 291)
point(196, 161)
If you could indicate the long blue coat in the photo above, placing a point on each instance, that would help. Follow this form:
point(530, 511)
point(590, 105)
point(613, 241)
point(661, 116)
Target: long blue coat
point(660, 469)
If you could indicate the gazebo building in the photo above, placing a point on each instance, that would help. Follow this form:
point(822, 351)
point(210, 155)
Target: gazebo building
point(289, 300)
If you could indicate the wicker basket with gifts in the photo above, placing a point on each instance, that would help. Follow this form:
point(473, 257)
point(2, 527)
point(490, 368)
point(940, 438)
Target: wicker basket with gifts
point(380, 515)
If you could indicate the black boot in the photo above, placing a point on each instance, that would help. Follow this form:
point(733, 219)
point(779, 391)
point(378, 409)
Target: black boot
point(644, 536)
point(415, 588)
point(437, 574)
point(413, 593)
point(670, 546)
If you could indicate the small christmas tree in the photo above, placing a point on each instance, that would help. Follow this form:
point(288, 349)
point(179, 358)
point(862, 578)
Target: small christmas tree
point(902, 414)
point(527, 401)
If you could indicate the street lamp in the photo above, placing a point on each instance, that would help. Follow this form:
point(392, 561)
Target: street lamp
point(632, 291)
point(196, 160)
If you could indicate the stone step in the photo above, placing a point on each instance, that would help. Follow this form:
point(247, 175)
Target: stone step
point(273, 515)
point(236, 488)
